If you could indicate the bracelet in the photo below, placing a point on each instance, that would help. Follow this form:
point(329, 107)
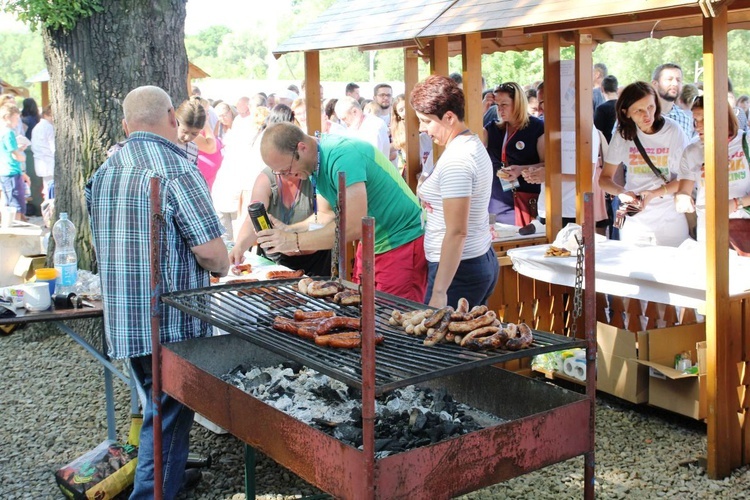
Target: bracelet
point(297, 239)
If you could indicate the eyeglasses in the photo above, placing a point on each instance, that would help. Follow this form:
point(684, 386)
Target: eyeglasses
point(295, 156)
point(506, 88)
point(384, 95)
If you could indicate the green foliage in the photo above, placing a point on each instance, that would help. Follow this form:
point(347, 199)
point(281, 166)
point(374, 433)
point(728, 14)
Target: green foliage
point(206, 43)
point(52, 14)
point(21, 57)
point(349, 65)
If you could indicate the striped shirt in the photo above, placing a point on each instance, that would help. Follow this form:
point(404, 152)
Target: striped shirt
point(464, 170)
point(117, 198)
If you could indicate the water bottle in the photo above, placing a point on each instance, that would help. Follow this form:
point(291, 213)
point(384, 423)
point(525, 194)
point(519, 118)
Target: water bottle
point(66, 259)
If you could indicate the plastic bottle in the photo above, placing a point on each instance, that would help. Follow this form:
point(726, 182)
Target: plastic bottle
point(66, 259)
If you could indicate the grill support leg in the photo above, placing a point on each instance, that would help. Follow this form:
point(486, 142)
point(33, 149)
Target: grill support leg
point(368, 354)
point(589, 321)
point(249, 471)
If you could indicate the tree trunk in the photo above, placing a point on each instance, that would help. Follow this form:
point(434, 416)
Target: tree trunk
point(92, 68)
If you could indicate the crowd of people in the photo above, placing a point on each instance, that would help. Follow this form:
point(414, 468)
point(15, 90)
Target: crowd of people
point(22, 130)
point(434, 246)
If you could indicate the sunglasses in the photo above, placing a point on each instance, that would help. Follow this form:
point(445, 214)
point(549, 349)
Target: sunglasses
point(506, 88)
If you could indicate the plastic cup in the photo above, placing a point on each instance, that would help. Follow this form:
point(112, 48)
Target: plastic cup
point(48, 275)
point(7, 216)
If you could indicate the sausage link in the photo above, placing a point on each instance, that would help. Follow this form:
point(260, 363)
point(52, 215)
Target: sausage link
point(462, 306)
point(440, 332)
point(277, 275)
point(328, 325)
point(323, 288)
point(484, 331)
point(523, 340)
point(437, 317)
point(468, 326)
point(303, 284)
point(300, 315)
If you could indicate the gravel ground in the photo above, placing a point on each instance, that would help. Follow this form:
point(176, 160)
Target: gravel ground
point(52, 399)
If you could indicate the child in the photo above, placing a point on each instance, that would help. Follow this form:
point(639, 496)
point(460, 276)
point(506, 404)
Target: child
point(12, 158)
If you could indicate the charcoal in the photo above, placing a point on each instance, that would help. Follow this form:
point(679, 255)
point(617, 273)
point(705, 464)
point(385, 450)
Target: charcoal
point(435, 433)
point(419, 422)
point(356, 416)
point(293, 365)
point(349, 434)
point(327, 393)
point(382, 444)
point(262, 379)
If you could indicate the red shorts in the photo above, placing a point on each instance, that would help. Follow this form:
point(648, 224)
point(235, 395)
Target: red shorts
point(401, 271)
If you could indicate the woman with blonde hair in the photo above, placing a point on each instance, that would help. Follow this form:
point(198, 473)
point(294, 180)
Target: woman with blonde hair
point(515, 144)
point(398, 138)
point(196, 136)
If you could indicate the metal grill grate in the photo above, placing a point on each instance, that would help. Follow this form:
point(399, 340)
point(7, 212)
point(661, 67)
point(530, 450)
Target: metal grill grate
point(248, 309)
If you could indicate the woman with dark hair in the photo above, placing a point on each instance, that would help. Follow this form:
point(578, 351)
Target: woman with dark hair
point(29, 115)
point(645, 136)
point(457, 241)
point(515, 144)
point(692, 172)
point(289, 199)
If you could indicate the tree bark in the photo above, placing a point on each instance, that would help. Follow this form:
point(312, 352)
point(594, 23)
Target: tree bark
point(92, 68)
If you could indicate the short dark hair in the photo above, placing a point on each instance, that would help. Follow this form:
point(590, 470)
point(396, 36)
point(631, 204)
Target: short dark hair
point(609, 84)
point(456, 77)
point(662, 67)
point(380, 86)
point(351, 87)
point(436, 95)
point(630, 94)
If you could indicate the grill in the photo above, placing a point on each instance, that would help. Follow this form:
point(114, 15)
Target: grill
point(248, 309)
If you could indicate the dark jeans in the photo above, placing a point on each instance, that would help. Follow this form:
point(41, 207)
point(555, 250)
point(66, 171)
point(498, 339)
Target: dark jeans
point(177, 420)
point(475, 279)
point(14, 190)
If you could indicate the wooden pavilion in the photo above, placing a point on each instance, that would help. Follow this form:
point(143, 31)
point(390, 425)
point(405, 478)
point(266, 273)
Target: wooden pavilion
point(436, 29)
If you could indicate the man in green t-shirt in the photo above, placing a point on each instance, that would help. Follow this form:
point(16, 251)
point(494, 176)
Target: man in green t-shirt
point(373, 188)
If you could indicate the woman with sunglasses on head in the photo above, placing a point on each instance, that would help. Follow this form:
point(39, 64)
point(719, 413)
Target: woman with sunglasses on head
point(515, 144)
point(662, 142)
point(195, 136)
point(692, 171)
point(457, 242)
point(289, 199)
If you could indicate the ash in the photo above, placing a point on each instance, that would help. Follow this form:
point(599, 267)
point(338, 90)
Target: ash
point(404, 418)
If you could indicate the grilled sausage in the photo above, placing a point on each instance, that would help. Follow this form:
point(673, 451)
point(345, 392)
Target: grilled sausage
point(523, 340)
point(328, 325)
point(278, 275)
point(323, 288)
point(345, 340)
point(475, 312)
point(420, 316)
point(303, 284)
point(462, 306)
point(241, 269)
point(473, 324)
point(300, 315)
point(479, 333)
point(437, 316)
point(495, 341)
point(347, 298)
point(440, 331)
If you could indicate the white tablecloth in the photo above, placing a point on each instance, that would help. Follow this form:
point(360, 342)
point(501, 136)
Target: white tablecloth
point(666, 275)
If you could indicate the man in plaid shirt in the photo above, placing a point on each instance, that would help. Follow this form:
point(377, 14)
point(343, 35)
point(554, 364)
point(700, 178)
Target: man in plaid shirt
point(118, 200)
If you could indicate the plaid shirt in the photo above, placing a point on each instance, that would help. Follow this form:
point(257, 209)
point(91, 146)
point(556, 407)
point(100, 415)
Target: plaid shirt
point(117, 198)
point(683, 120)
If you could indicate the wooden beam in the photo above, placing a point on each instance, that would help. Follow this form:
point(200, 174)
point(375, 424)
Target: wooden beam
point(552, 125)
point(584, 44)
point(471, 61)
point(312, 91)
point(413, 153)
point(724, 346)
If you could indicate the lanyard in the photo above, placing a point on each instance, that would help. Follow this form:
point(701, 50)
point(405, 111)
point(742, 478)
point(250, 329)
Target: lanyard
point(505, 145)
point(314, 182)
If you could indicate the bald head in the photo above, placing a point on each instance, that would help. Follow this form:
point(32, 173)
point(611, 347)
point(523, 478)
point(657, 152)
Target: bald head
point(149, 109)
point(281, 137)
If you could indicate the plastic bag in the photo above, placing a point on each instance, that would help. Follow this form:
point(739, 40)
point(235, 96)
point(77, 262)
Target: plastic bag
point(100, 474)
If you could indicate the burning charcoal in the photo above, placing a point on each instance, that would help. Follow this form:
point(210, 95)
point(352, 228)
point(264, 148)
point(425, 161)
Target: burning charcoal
point(325, 392)
point(348, 434)
point(262, 379)
point(292, 365)
point(420, 420)
point(382, 444)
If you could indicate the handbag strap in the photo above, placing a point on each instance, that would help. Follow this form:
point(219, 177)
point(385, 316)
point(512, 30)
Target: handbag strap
point(744, 146)
point(655, 170)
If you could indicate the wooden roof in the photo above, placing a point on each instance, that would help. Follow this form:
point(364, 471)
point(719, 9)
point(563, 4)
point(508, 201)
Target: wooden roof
point(504, 24)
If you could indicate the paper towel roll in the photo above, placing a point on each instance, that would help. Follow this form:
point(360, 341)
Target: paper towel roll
point(575, 368)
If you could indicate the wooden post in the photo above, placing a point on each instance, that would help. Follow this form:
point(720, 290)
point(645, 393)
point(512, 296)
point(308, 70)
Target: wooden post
point(552, 151)
point(724, 346)
point(584, 118)
point(45, 94)
point(472, 80)
point(413, 153)
point(312, 91)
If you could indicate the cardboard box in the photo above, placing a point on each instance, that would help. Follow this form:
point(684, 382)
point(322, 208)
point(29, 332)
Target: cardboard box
point(618, 371)
point(671, 389)
point(27, 265)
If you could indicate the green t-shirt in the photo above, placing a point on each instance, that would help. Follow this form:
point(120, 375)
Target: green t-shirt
point(8, 164)
point(394, 206)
